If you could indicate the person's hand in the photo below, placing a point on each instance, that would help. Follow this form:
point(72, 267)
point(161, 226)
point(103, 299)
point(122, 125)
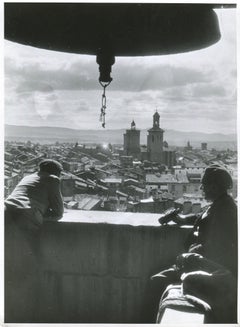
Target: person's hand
point(168, 215)
point(186, 262)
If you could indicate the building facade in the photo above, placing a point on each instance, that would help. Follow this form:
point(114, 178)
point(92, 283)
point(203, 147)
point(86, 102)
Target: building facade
point(204, 146)
point(157, 149)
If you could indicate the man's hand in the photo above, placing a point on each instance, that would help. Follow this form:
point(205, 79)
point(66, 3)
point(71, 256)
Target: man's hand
point(187, 262)
point(168, 215)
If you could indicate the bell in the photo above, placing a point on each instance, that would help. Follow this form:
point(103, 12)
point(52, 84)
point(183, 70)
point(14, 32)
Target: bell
point(107, 30)
point(112, 29)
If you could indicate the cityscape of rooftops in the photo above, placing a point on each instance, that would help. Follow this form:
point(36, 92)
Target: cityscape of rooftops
point(140, 162)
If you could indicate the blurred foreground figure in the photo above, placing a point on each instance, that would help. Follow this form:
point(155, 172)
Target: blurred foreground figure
point(37, 197)
point(208, 269)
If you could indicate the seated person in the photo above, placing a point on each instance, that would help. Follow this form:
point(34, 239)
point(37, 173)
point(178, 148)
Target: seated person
point(209, 267)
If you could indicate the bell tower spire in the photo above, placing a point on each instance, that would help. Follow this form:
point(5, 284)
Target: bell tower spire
point(155, 140)
point(133, 125)
point(131, 142)
point(156, 118)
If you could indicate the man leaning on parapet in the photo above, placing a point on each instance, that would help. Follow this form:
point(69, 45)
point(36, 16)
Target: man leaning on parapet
point(36, 198)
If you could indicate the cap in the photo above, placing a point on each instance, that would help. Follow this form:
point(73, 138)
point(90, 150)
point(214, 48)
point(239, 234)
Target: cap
point(50, 166)
point(218, 175)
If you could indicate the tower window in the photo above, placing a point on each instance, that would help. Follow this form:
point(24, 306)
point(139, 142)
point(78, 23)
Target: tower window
point(152, 138)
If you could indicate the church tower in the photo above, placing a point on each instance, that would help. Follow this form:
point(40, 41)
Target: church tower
point(132, 142)
point(155, 140)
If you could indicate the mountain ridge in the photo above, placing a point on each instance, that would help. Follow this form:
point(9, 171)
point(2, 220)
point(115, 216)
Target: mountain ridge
point(114, 136)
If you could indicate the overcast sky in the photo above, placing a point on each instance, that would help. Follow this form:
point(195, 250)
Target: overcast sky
point(193, 91)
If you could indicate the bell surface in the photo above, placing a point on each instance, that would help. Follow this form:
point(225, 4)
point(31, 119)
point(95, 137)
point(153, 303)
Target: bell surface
point(123, 29)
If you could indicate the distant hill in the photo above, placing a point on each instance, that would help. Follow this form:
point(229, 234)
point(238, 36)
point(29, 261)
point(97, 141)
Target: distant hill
point(174, 138)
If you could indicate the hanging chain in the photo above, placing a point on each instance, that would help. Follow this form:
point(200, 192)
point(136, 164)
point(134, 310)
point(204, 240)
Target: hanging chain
point(104, 105)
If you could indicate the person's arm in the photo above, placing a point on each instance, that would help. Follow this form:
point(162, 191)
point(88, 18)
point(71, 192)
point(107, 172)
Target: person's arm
point(56, 207)
point(189, 262)
point(188, 219)
point(192, 243)
point(173, 214)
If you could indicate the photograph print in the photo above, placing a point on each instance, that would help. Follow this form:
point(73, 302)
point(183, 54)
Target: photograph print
point(120, 163)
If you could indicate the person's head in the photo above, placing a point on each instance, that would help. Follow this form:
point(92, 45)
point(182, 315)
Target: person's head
point(50, 166)
point(216, 180)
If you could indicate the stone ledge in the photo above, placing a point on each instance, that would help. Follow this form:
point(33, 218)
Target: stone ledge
point(112, 217)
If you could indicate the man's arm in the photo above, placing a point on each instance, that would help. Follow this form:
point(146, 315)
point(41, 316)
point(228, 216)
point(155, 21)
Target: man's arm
point(188, 219)
point(188, 262)
point(56, 208)
point(172, 214)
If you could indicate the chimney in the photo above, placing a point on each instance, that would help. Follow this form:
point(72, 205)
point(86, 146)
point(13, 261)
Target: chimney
point(187, 207)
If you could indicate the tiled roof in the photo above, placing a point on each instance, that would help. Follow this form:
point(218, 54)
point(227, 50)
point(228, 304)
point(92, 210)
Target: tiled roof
point(164, 178)
point(138, 189)
point(112, 180)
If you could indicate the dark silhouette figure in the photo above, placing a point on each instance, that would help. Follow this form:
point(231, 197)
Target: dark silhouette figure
point(36, 198)
point(208, 269)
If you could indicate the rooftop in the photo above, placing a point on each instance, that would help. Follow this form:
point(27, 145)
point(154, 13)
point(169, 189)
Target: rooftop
point(112, 180)
point(164, 178)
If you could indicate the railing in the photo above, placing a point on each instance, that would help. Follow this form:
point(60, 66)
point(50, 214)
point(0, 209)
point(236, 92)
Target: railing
point(94, 267)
